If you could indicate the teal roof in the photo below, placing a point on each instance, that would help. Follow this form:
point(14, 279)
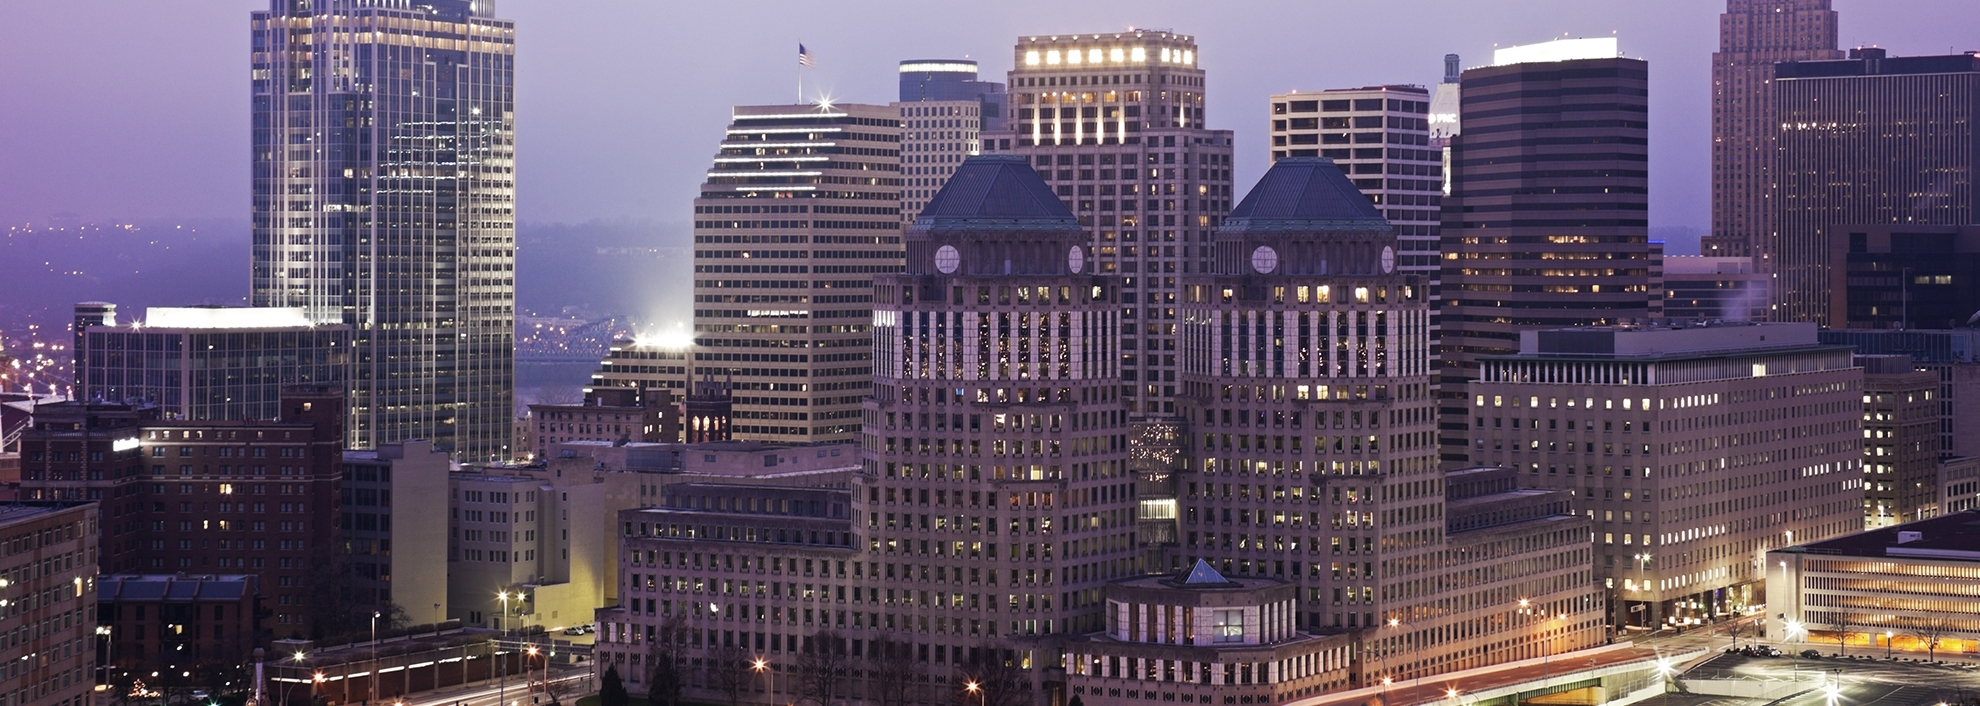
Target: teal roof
point(995, 192)
point(1305, 194)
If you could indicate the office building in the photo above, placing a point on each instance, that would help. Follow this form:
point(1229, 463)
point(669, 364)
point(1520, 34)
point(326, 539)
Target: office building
point(709, 412)
point(606, 414)
point(1954, 355)
point(1753, 36)
point(395, 543)
point(1114, 123)
point(171, 624)
point(384, 199)
point(1540, 240)
point(944, 110)
point(1958, 485)
point(994, 459)
point(1710, 288)
point(248, 497)
point(1446, 104)
point(1900, 441)
point(1904, 276)
point(1202, 635)
point(1379, 135)
point(1911, 581)
point(47, 553)
point(207, 363)
point(1341, 414)
point(1872, 140)
point(801, 210)
point(1692, 449)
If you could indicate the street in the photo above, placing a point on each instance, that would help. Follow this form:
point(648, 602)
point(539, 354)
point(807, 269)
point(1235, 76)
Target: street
point(575, 682)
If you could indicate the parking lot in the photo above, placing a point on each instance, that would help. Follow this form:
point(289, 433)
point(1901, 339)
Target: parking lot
point(1862, 680)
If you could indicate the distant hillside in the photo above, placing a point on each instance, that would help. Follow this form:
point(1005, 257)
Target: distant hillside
point(635, 269)
point(45, 269)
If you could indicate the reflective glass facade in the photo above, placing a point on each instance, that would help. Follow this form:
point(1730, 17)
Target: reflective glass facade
point(209, 374)
point(384, 198)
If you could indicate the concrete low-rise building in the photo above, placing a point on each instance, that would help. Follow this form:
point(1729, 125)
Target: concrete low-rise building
point(396, 543)
point(1199, 637)
point(1692, 449)
point(1910, 586)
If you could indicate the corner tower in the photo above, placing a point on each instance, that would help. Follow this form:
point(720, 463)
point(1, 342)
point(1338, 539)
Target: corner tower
point(997, 428)
point(1307, 382)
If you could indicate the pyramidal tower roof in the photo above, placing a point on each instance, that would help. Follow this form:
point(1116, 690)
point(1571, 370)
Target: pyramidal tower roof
point(1202, 575)
point(995, 192)
point(1305, 194)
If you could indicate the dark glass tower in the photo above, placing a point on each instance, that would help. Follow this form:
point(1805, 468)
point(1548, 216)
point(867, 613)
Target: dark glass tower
point(1867, 144)
point(1547, 223)
point(384, 198)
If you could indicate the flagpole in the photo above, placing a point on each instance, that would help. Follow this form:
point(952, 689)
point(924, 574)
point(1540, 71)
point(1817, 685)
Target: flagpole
point(800, 73)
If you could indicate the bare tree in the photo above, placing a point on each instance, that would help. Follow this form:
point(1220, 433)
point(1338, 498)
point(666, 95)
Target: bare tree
point(1931, 630)
point(1844, 620)
point(895, 673)
point(999, 681)
point(667, 661)
point(823, 668)
point(728, 671)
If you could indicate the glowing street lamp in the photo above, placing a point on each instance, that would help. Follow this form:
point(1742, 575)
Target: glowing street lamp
point(981, 694)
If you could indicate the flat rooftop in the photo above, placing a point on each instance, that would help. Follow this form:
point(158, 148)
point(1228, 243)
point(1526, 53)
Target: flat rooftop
point(1674, 340)
point(1951, 537)
point(232, 317)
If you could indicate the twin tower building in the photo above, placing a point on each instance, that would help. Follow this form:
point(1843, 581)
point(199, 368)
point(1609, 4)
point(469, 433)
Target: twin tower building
point(998, 520)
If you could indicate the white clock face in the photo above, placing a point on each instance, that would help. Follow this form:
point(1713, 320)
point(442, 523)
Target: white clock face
point(1264, 259)
point(1076, 259)
point(1388, 259)
point(946, 259)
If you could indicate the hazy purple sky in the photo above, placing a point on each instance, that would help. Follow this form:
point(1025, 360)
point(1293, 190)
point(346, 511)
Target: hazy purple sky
point(126, 109)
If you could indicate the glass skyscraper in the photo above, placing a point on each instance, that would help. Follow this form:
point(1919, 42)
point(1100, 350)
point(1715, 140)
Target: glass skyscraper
point(384, 198)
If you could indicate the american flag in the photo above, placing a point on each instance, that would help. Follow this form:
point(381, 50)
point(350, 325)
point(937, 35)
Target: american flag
point(804, 56)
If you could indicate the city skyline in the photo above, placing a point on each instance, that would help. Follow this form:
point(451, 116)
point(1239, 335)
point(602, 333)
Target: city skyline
point(574, 173)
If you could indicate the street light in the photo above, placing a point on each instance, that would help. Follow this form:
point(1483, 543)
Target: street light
point(371, 682)
point(981, 694)
point(762, 669)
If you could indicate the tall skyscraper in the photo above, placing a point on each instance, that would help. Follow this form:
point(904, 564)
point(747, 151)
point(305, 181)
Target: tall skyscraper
point(1380, 136)
point(1544, 238)
point(1753, 36)
point(384, 198)
point(1115, 124)
point(800, 211)
point(944, 110)
point(1871, 140)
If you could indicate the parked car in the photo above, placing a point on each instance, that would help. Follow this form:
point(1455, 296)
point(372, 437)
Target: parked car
point(1810, 654)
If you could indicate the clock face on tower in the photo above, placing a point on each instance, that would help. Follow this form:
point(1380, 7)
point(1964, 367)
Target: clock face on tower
point(1264, 259)
point(1076, 259)
point(946, 259)
point(1388, 259)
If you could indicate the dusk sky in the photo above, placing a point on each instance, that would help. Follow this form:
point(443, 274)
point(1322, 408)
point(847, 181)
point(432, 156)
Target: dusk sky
point(114, 109)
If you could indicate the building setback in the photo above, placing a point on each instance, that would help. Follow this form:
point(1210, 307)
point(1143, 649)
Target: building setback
point(1872, 140)
point(1753, 36)
point(800, 211)
point(384, 199)
point(48, 554)
point(1711, 287)
point(1115, 124)
point(1692, 449)
point(1546, 224)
